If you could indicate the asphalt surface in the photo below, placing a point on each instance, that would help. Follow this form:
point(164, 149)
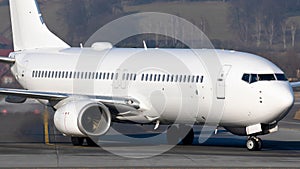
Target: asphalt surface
point(22, 144)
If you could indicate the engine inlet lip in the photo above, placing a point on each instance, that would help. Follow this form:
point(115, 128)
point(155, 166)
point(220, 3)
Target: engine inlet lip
point(107, 116)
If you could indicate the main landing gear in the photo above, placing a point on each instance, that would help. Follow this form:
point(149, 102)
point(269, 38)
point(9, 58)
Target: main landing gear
point(254, 143)
point(78, 141)
point(183, 133)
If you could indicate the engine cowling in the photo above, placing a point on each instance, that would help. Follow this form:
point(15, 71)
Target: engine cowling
point(82, 118)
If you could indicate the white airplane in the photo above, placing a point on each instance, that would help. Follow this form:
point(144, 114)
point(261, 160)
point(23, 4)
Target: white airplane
point(255, 92)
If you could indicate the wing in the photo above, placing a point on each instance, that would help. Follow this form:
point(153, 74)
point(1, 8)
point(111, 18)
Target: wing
point(7, 60)
point(33, 94)
point(121, 103)
point(295, 84)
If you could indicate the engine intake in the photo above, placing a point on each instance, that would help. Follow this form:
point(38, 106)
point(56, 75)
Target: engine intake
point(83, 118)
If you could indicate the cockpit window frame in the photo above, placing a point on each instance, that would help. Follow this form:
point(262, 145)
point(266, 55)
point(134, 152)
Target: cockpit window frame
point(252, 78)
point(281, 77)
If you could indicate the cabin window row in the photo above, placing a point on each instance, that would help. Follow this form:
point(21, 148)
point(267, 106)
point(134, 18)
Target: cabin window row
point(172, 78)
point(83, 75)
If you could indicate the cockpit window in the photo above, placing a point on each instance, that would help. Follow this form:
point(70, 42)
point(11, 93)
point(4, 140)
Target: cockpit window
point(252, 78)
point(281, 77)
point(266, 77)
point(246, 78)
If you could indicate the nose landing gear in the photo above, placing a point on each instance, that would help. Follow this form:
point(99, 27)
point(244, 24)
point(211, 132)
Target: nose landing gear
point(254, 143)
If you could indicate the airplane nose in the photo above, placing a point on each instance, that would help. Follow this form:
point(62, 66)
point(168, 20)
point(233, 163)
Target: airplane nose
point(284, 100)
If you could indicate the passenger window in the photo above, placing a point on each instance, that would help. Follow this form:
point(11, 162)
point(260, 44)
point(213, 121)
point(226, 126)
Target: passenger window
point(82, 75)
point(197, 79)
point(184, 78)
point(107, 76)
point(104, 76)
point(193, 79)
point(142, 77)
point(117, 76)
point(176, 78)
point(86, 75)
point(112, 76)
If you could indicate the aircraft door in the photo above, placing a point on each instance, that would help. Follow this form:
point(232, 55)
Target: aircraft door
point(221, 81)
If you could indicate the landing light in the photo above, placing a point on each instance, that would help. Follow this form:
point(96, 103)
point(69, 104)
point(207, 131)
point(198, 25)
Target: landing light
point(4, 111)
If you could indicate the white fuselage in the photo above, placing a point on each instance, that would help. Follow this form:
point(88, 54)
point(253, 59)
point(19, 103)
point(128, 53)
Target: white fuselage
point(171, 84)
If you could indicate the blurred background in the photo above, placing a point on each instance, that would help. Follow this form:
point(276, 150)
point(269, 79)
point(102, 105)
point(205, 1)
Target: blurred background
point(269, 28)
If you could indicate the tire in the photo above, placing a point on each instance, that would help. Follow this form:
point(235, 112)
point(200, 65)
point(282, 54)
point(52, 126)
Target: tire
point(77, 141)
point(173, 135)
point(252, 144)
point(90, 142)
point(259, 144)
point(189, 138)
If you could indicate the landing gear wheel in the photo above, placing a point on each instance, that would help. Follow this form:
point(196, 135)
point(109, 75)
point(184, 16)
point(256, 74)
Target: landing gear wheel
point(259, 142)
point(90, 142)
point(173, 135)
point(189, 138)
point(254, 144)
point(77, 141)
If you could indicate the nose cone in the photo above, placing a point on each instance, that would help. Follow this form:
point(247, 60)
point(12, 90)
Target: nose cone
point(283, 100)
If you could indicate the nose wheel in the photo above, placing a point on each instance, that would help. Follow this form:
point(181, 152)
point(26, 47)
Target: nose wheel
point(254, 143)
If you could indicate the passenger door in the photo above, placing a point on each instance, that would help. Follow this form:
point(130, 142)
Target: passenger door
point(221, 81)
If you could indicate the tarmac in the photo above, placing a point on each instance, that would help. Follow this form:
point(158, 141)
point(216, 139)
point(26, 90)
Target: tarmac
point(24, 143)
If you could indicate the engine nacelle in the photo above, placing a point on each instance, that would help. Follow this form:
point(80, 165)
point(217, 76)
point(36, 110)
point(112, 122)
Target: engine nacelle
point(83, 118)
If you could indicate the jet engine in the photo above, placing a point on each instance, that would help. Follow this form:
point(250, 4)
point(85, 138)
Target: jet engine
point(83, 118)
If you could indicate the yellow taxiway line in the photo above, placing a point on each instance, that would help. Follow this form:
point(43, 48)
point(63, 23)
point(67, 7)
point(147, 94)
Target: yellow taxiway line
point(46, 126)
